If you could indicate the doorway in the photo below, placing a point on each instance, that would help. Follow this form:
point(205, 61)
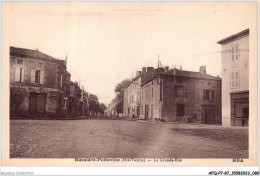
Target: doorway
point(37, 103)
point(146, 111)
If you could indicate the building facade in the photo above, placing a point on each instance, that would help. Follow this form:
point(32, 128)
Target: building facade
point(132, 103)
point(235, 79)
point(38, 84)
point(182, 96)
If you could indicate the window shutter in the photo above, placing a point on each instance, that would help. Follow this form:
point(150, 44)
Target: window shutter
point(204, 94)
point(212, 95)
point(41, 77)
point(185, 91)
point(22, 78)
point(32, 76)
point(17, 74)
point(60, 80)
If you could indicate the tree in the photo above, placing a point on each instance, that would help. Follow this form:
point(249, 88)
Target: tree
point(93, 103)
point(119, 96)
point(102, 108)
point(122, 84)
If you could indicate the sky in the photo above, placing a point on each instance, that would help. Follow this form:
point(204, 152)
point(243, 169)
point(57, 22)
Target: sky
point(107, 42)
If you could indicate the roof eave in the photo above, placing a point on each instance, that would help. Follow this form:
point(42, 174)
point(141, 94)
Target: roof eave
point(233, 37)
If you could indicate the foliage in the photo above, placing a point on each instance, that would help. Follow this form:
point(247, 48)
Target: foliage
point(95, 106)
point(119, 87)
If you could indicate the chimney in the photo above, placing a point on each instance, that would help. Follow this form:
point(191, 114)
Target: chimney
point(138, 73)
point(166, 68)
point(149, 69)
point(143, 70)
point(203, 69)
point(181, 67)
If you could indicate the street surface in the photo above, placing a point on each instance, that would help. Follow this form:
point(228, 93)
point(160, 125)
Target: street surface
point(101, 138)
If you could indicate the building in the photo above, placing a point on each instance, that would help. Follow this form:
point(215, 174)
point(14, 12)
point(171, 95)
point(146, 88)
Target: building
point(132, 93)
point(235, 79)
point(131, 105)
point(181, 96)
point(38, 84)
point(111, 110)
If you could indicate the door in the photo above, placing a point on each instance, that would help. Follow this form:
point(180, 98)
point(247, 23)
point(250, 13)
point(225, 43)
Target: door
point(146, 111)
point(209, 115)
point(138, 111)
point(37, 104)
point(41, 104)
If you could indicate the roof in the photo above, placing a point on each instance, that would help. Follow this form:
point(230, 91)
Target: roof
point(182, 73)
point(191, 74)
point(234, 37)
point(132, 81)
point(21, 52)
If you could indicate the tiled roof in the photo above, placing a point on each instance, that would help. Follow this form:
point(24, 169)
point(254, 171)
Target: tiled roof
point(32, 53)
point(151, 74)
point(190, 74)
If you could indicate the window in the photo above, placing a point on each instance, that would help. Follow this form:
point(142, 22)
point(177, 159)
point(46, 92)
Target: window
point(235, 53)
point(19, 62)
point(181, 91)
point(40, 64)
point(19, 74)
point(152, 91)
point(64, 103)
point(180, 109)
point(37, 76)
point(208, 94)
point(234, 82)
point(142, 111)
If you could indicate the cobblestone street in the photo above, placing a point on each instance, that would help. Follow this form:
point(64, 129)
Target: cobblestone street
point(121, 138)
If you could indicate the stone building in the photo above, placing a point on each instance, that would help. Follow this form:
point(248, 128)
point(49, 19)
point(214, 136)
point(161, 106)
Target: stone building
point(132, 92)
point(235, 79)
point(181, 96)
point(38, 84)
point(131, 105)
point(78, 100)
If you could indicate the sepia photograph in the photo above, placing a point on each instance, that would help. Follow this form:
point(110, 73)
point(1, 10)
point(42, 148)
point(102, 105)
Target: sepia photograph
point(129, 83)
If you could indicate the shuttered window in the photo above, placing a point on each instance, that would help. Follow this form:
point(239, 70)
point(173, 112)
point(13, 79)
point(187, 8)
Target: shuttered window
point(234, 80)
point(181, 91)
point(208, 94)
point(235, 53)
point(37, 76)
point(19, 74)
point(32, 76)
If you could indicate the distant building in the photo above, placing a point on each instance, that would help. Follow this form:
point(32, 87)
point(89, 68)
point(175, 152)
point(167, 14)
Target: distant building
point(111, 110)
point(132, 103)
point(75, 99)
point(235, 79)
point(38, 84)
point(181, 96)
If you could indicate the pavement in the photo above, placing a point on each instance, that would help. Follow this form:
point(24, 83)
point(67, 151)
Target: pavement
point(93, 137)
